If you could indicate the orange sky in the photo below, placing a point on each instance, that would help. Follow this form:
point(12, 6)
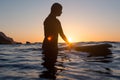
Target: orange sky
point(81, 20)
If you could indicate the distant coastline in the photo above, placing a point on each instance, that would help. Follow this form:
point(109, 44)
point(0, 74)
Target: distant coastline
point(4, 39)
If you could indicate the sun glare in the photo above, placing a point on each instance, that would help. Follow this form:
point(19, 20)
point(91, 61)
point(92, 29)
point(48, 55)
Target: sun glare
point(70, 39)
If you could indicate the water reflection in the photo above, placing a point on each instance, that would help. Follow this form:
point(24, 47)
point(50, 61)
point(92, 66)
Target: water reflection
point(101, 59)
point(99, 64)
point(53, 68)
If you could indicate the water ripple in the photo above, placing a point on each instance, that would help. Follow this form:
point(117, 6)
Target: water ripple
point(23, 62)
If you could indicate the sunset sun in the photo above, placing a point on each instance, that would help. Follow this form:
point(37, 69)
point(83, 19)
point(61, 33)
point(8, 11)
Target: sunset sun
point(70, 39)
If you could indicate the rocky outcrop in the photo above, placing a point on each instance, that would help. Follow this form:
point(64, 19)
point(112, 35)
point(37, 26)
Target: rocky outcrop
point(5, 39)
point(27, 42)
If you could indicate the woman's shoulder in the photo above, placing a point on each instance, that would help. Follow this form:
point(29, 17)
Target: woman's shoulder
point(57, 20)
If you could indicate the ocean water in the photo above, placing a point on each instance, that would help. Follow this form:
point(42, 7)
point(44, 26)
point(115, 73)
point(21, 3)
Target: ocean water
point(23, 62)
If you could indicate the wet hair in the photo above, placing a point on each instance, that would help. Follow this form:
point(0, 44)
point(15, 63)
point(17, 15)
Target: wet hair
point(55, 7)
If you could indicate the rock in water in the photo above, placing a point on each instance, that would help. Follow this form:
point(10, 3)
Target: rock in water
point(96, 50)
point(27, 42)
point(5, 40)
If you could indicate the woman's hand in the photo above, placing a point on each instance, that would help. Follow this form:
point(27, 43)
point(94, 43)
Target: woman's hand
point(69, 46)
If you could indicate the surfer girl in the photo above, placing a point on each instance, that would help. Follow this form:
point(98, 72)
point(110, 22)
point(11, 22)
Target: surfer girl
point(52, 28)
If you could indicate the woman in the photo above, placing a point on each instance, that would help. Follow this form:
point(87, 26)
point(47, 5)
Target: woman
point(52, 27)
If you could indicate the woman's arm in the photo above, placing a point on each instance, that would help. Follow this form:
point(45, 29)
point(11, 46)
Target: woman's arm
point(62, 34)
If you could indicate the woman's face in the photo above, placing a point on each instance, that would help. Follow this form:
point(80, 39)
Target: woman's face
point(58, 12)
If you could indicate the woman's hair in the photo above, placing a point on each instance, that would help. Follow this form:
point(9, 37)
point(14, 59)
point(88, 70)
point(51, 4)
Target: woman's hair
point(55, 7)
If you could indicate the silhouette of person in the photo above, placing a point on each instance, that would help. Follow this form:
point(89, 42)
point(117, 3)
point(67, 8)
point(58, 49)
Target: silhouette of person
point(52, 28)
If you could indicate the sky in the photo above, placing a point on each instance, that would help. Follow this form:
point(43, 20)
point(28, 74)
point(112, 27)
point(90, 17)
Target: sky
point(81, 20)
